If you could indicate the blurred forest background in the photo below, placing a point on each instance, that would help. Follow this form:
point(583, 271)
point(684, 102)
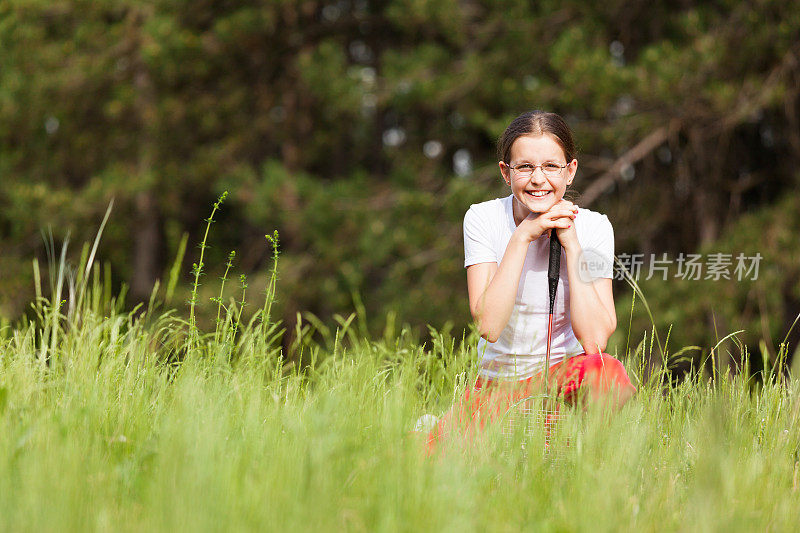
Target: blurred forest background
point(363, 130)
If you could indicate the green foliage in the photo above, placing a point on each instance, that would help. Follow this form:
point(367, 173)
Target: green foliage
point(698, 311)
point(337, 124)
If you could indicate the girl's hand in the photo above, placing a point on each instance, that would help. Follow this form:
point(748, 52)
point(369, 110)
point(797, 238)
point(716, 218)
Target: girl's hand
point(559, 217)
point(568, 237)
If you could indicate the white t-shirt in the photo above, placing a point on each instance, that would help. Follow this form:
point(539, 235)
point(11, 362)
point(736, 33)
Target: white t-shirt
point(519, 351)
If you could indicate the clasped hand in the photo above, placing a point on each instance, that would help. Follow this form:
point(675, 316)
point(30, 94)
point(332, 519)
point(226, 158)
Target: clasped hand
point(560, 216)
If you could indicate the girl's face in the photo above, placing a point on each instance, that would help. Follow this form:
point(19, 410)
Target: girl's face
point(539, 192)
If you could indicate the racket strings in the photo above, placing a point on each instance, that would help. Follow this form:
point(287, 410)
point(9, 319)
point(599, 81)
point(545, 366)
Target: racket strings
point(529, 421)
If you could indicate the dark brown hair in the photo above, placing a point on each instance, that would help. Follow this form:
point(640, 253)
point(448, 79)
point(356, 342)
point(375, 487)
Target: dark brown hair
point(536, 123)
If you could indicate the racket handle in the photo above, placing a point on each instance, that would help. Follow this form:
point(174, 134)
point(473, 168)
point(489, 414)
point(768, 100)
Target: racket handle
point(554, 267)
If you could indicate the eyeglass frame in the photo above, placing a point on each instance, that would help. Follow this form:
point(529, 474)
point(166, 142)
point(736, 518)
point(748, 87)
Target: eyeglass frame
point(560, 169)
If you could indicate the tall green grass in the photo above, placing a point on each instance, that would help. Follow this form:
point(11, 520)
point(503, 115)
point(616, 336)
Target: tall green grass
point(114, 420)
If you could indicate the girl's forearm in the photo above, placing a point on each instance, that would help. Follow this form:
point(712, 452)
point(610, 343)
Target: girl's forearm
point(592, 321)
point(497, 302)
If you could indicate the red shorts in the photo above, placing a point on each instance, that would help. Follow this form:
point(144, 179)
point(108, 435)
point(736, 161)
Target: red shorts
point(600, 375)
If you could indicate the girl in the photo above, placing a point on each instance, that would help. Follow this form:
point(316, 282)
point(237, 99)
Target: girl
point(506, 245)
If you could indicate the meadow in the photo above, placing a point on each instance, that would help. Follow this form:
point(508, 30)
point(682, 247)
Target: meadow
point(138, 420)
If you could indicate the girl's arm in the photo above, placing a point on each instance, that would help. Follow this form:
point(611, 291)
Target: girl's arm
point(591, 306)
point(493, 288)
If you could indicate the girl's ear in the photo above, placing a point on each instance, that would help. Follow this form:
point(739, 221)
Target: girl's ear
point(504, 171)
point(572, 168)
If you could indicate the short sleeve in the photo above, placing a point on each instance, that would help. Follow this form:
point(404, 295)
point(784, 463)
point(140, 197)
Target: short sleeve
point(477, 239)
point(598, 250)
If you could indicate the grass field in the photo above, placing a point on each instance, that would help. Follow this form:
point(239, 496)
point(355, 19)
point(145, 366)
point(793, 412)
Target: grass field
point(106, 424)
point(139, 421)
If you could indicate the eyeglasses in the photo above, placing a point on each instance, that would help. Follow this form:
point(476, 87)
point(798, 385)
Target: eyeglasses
point(549, 169)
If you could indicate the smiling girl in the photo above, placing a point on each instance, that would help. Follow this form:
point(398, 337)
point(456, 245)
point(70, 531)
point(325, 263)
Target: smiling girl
point(506, 245)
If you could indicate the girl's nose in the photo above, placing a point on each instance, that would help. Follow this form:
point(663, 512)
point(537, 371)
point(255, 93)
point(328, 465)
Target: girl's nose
point(538, 179)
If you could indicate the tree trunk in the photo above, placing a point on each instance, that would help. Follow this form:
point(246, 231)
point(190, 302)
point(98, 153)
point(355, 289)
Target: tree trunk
point(146, 231)
point(146, 246)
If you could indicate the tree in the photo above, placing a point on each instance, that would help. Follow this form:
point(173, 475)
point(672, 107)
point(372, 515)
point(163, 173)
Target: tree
point(362, 130)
